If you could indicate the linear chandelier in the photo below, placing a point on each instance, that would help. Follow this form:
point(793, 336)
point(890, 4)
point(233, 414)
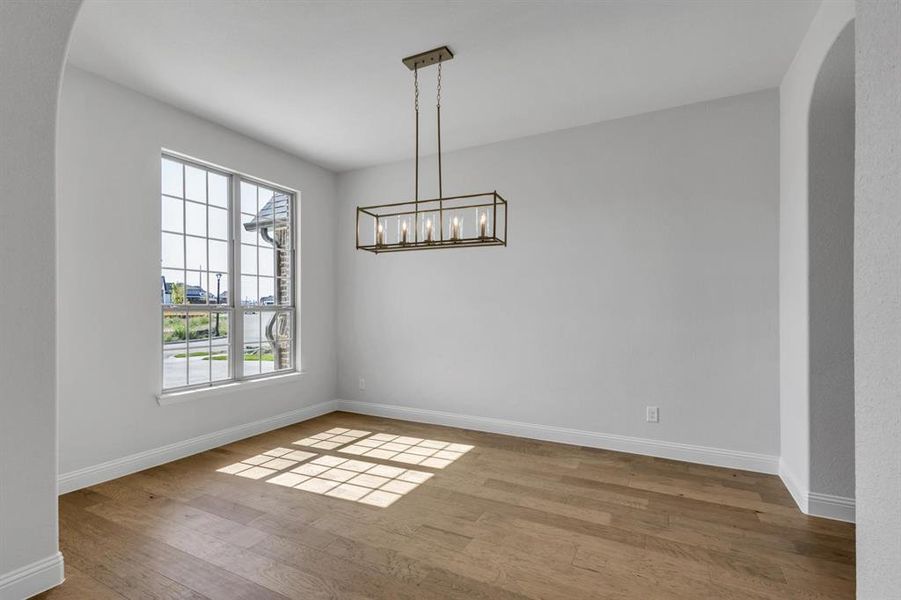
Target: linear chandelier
point(464, 221)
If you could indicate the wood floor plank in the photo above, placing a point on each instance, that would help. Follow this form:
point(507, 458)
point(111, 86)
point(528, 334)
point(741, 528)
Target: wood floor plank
point(511, 519)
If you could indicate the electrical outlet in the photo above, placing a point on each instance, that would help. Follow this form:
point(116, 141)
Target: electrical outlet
point(653, 414)
point(362, 384)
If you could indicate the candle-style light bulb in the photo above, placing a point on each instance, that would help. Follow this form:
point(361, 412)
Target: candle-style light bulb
point(428, 230)
point(483, 225)
point(455, 229)
point(380, 236)
point(403, 232)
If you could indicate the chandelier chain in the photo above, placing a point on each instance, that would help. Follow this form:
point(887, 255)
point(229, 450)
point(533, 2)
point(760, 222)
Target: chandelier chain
point(416, 105)
point(438, 111)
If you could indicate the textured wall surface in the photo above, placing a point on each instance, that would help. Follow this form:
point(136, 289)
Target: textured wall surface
point(795, 94)
point(877, 300)
point(108, 223)
point(33, 40)
point(831, 214)
point(641, 270)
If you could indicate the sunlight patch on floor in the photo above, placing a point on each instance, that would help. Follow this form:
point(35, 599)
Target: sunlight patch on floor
point(267, 463)
point(356, 480)
point(350, 478)
point(331, 439)
point(410, 450)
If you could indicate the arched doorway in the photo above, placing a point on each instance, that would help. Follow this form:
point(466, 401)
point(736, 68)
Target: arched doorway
point(831, 274)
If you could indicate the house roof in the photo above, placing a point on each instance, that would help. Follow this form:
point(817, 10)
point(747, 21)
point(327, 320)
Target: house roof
point(273, 213)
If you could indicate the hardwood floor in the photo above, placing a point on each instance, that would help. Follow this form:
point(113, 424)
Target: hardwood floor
point(511, 518)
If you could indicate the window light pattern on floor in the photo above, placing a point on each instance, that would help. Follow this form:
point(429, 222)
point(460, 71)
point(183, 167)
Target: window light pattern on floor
point(267, 463)
point(331, 439)
point(356, 480)
point(410, 450)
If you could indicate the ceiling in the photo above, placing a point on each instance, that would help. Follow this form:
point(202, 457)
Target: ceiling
point(324, 81)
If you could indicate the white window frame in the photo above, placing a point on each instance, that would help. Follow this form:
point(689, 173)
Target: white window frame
point(235, 308)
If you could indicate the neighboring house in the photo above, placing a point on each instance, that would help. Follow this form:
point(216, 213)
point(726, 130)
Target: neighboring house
point(194, 294)
point(273, 224)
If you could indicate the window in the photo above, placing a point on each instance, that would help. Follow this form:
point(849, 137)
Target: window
point(227, 276)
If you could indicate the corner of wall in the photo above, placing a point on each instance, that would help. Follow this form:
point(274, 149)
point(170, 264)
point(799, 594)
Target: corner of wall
point(32, 579)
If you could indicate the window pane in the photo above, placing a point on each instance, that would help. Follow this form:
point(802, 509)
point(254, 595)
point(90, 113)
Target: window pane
point(173, 217)
point(285, 326)
point(269, 349)
point(199, 329)
point(267, 291)
point(172, 286)
point(248, 259)
point(198, 365)
point(219, 358)
point(219, 328)
point(218, 288)
point(175, 365)
point(173, 254)
point(172, 178)
point(218, 189)
point(285, 292)
point(251, 359)
point(264, 195)
point(175, 327)
point(175, 362)
point(248, 198)
point(284, 236)
point(283, 332)
point(251, 343)
point(283, 263)
point(266, 358)
point(218, 223)
point(198, 347)
point(251, 327)
point(268, 325)
point(248, 290)
point(284, 356)
point(196, 291)
point(249, 236)
point(218, 257)
point(196, 254)
point(266, 261)
point(195, 184)
point(195, 218)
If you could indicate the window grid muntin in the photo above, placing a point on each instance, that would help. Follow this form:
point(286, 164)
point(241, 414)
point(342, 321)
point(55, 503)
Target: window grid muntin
point(234, 309)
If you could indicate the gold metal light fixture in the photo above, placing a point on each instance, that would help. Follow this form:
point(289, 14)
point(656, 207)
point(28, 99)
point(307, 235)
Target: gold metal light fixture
point(466, 221)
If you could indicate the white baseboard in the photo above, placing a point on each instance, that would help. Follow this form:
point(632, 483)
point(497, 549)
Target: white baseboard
point(32, 579)
point(81, 478)
point(839, 508)
point(719, 457)
point(811, 503)
point(797, 491)
point(815, 504)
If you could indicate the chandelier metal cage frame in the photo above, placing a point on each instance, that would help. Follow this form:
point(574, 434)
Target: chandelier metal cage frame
point(463, 221)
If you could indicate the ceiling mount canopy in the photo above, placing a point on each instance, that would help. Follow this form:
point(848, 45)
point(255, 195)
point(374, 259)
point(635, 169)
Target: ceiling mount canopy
point(462, 221)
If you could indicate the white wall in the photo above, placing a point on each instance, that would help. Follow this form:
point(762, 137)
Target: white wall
point(33, 41)
point(831, 229)
point(794, 300)
point(641, 270)
point(108, 225)
point(877, 300)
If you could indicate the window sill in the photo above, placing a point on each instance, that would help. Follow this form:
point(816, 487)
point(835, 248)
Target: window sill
point(167, 398)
